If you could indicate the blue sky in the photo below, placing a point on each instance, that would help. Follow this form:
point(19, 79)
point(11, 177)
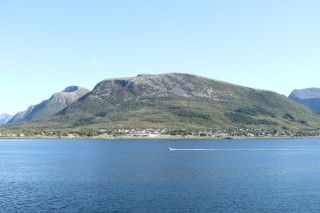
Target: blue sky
point(46, 46)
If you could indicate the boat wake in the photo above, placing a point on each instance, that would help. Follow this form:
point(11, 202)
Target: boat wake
point(285, 150)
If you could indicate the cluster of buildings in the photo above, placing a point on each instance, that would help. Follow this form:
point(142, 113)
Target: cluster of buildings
point(136, 132)
point(156, 132)
point(231, 133)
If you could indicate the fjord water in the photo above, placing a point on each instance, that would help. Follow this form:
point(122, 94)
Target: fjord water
point(265, 175)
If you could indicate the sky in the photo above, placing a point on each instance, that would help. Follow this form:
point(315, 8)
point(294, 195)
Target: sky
point(46, 46)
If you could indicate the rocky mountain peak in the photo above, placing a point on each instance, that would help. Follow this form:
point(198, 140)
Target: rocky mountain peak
point(51, 106)
point(307, 93)
point(4, 118)
point(310, 97)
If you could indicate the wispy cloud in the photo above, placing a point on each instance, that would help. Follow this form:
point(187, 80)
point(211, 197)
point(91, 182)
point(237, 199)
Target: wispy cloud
point(94, 61)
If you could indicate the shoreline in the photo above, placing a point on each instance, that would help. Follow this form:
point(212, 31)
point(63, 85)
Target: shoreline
point(151, 138)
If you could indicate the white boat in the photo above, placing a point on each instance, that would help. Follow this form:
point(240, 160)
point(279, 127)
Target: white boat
point(170, 149)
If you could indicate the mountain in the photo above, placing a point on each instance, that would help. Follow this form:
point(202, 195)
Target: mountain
point(4, 118)
point(181, 101)
point(53, 105)
point(309, 97)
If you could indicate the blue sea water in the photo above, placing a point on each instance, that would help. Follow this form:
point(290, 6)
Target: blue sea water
point(265, 175)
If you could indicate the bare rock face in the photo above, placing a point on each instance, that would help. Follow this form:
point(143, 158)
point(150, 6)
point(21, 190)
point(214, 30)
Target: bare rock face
point(164, 86)
point(53, 105)
point(309, 97)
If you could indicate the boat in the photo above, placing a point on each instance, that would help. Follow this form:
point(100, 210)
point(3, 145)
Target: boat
point(170, 149)
point(229, 138)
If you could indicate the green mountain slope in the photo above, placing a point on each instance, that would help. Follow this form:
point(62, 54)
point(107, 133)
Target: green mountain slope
point(181, 101)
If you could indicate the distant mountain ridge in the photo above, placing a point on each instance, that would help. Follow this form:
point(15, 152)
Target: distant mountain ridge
point(309, 97)
point(182, 101)
point(53, 105)
point(4, 118)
